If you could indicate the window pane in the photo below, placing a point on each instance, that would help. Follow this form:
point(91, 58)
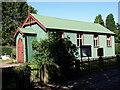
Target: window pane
point(108, 41)
point(95, 40)
point(77, 42)
point(79, 35)
point(80, 41)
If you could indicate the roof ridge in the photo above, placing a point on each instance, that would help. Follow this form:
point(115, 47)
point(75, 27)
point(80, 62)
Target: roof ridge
point(64, 19)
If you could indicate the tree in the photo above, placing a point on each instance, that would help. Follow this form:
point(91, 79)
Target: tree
point(118, 26)
point(110, 23)
point(99, 20)
point(117, 33)
point(13, 15)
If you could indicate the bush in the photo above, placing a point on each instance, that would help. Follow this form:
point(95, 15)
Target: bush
point(55, 50)
point(6, 50)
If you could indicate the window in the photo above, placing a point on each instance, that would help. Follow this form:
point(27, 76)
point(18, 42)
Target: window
point(60, 35)
point(96, 41)
point(79, 39)
point(108, 40)
point(63, 35)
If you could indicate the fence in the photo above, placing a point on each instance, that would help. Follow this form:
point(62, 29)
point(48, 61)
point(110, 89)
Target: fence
point(96, 65)
point(82, 68)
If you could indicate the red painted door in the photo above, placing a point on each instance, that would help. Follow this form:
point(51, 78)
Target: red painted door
point(20, 51)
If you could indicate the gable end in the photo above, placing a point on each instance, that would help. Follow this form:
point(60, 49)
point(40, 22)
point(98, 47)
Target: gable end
point(31, 20)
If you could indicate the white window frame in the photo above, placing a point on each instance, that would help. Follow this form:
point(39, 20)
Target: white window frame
point(80, 38)
point(108, 41)
point(96, 40)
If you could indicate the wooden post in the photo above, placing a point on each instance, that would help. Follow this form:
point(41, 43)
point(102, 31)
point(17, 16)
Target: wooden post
point(101, 63)
point(44, 74)
point(77, 65)
point(89, 65)
point(118, 60)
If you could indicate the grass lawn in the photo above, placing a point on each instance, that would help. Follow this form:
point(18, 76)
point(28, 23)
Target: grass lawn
point(94, 67)
point(5, 60)
point(33, 66)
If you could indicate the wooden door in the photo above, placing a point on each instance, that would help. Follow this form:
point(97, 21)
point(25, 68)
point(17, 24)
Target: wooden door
point(20, 51)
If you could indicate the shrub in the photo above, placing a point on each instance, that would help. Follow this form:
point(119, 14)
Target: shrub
point(55, 50)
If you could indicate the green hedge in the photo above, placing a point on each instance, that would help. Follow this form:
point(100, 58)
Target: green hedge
point(16, 77)
point(6, 50)
point(117, 48)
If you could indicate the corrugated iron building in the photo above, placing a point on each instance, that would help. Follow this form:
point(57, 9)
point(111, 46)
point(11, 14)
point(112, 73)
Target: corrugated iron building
point(89, 34)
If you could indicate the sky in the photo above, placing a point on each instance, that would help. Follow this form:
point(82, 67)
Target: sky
point(80, 11)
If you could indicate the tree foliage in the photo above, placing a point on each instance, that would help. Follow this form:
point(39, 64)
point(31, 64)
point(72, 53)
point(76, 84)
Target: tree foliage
point(99, 20)
point(117, 33)
point(13, 15)
point(118, 26)
point(110, 23)
point(54, 50)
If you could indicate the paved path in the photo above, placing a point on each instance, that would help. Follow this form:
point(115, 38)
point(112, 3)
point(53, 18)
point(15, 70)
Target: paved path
point(8, 64)
point(105, 79)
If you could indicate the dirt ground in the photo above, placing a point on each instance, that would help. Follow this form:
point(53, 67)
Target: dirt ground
point(8, 64)
point(106, 79)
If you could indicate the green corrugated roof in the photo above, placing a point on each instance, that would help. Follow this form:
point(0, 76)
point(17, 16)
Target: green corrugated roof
point(65, 24)
point(27, 30)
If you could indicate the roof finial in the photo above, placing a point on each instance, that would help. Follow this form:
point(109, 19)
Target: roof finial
point(28, 10)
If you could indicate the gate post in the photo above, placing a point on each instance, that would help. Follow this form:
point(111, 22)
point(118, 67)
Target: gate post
point(118, 60)
point(101, 62)
point(77, 66)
